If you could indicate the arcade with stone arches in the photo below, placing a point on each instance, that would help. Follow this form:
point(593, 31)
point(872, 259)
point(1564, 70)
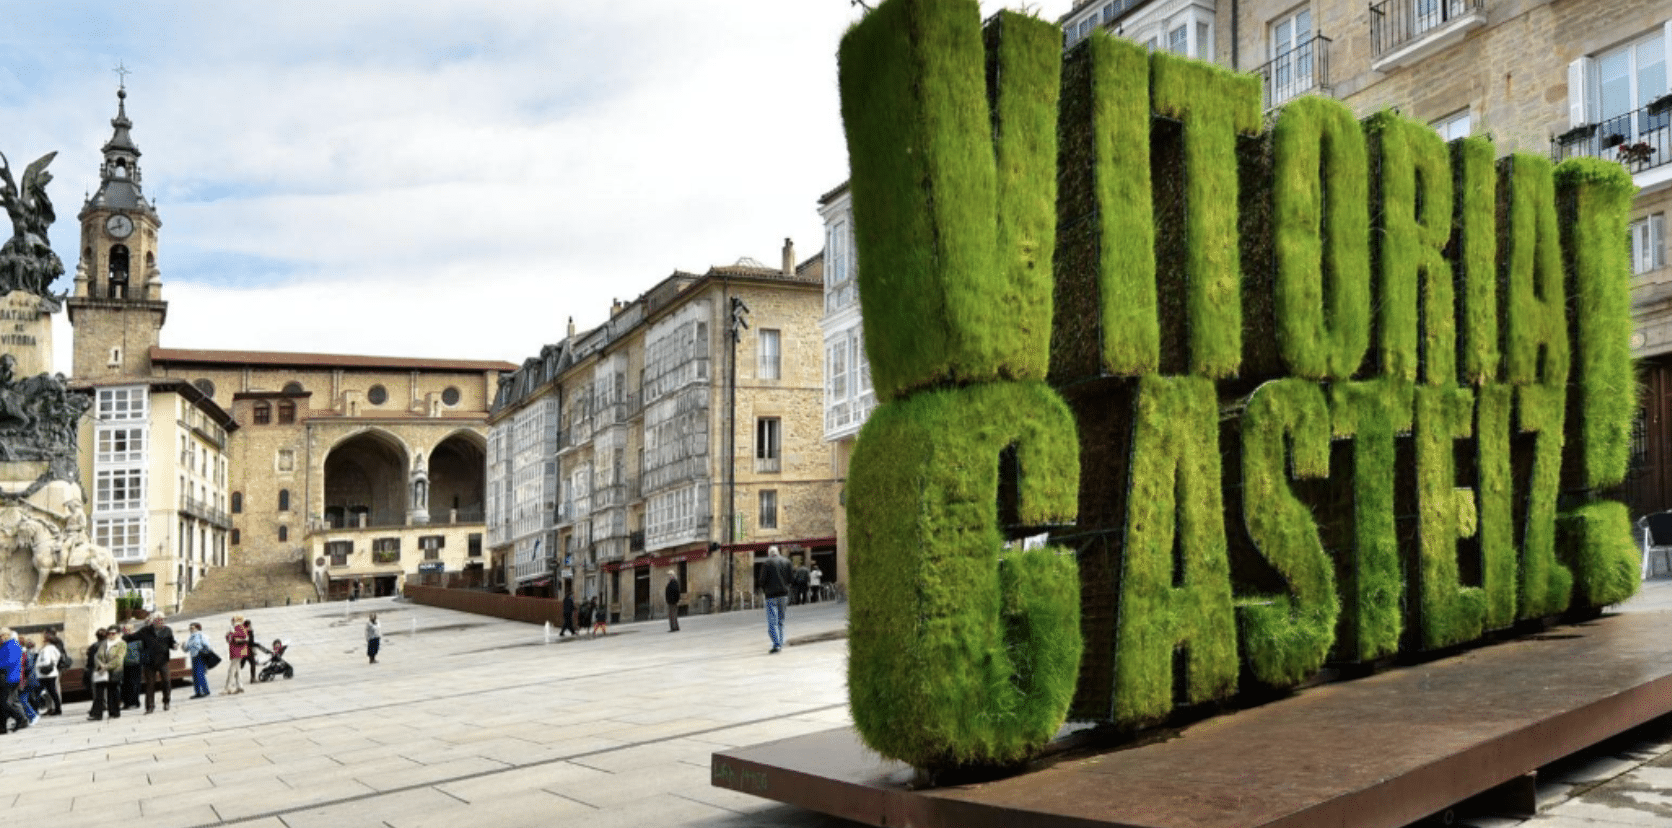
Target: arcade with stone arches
point(374, 478)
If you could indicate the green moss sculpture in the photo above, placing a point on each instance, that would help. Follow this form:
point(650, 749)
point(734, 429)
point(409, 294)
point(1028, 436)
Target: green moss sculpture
point(1214, 106)
point(1606, 562)
point(1535, 313)
point(1495, 501)
point(961, 652)
point(1416, 224)
point(954, 194)
point(1286, 638)
point(1449, 613)
point(1373, 414)
point(1106, 313)
point(1320, 196)
point(1475, 259)
point(1175, 504)
point(1594, 202)
point(1546, 584)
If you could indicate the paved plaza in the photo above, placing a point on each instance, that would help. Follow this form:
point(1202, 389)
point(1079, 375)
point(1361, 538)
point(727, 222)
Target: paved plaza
point(473, 721)
point(464, 721)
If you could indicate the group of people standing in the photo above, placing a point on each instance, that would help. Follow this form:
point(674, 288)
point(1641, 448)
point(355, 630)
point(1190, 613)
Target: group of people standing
point(120, 662)
point(25, 669)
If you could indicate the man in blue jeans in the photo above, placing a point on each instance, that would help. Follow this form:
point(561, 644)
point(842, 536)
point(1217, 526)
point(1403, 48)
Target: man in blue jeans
point(775, 581)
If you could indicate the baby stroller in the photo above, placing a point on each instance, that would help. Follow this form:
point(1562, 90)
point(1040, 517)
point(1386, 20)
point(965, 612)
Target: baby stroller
point(275, 665)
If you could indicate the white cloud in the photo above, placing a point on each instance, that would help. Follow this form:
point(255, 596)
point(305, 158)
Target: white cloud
point(436, 177)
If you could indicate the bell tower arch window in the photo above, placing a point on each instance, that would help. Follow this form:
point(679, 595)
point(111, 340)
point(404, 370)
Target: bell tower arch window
point(118, 271)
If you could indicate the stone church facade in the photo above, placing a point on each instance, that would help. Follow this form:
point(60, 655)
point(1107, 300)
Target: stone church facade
point(333, 470)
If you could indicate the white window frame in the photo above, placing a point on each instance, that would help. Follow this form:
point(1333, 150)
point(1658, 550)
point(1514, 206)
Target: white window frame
point(119, 490)
point(128, 402)
point(1457, 125)
point(123, 536)
point(1284, 37)
point(1648, 243)
point(1178, 39)
point(120, 444)
point(770, 345)
point(1585, 78)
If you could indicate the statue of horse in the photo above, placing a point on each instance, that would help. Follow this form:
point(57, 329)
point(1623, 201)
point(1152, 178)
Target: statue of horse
point(53, 555)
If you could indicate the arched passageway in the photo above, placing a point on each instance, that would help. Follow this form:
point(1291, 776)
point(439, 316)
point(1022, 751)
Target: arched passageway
point(458, 469)
point(366, 475)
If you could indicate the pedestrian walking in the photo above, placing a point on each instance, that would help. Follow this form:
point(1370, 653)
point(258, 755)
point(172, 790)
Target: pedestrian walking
point(374, 638)
point(775, 581)
point(568, 615)
point(800, 583)
point(195, 648)
point(105, 663)
point(815, 580)
point(52, 652)
point(237, 646)
point(156, 640)
point(11, 673)
point(672, 594)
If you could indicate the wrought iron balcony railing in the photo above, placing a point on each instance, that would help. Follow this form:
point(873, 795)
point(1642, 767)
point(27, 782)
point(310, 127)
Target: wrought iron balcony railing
point(1640, 139)
point(1297, 72)
point(1395, 24)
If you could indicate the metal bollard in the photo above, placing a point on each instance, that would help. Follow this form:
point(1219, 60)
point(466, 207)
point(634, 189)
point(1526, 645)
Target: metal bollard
point(548, 632)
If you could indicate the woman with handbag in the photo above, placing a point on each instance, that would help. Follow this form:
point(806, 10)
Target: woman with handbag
point(47, 671)
point(106, 662)
point(198, 651)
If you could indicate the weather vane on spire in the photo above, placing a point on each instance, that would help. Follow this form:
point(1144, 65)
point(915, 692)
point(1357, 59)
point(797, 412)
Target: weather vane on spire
point(122, 73)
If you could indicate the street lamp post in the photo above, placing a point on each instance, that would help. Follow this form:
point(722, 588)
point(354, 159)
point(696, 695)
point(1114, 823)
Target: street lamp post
point(738, 311)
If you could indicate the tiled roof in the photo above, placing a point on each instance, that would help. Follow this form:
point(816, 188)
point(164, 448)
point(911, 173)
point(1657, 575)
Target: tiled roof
point(299, 360)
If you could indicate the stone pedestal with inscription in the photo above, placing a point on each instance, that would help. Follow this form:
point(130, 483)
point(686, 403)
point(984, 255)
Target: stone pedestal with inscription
point(26, 332)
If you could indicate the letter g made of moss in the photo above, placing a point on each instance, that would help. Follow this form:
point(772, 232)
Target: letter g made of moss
point(962, 651)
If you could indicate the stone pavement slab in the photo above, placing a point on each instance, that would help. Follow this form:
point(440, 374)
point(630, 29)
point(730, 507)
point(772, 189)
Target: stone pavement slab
point(477, 721)
point(464, 721)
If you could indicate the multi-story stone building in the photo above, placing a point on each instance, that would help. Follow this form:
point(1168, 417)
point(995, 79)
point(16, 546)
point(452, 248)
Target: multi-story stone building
point(301, 475)
point(669, 459)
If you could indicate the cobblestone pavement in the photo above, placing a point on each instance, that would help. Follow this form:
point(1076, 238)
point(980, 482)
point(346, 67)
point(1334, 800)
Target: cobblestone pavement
point(464, 721)
point(473, 721)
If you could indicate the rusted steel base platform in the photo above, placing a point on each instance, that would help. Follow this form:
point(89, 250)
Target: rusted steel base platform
point(1385, 750)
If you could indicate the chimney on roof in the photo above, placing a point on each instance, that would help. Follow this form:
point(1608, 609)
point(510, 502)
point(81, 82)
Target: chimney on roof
point(571, 327)
point(789, 257)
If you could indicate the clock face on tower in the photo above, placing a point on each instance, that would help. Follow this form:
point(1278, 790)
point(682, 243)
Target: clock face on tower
point(119, 226)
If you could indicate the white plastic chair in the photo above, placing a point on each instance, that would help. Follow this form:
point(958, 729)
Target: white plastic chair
point(1657, 539)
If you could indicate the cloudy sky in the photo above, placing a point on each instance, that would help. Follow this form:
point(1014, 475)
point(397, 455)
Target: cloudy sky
point(448, 178)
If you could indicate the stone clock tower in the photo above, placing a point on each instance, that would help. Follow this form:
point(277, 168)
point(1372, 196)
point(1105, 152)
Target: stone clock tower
point(117, 308)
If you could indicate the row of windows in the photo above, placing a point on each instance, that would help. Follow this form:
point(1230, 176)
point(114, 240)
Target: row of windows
point(238, 501)
point(388, 550)
point(263, 413)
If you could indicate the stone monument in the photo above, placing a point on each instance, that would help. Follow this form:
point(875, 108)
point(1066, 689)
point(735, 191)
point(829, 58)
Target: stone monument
point(51, 572)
